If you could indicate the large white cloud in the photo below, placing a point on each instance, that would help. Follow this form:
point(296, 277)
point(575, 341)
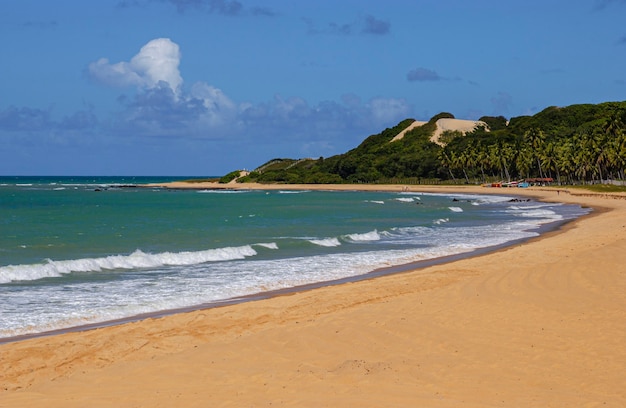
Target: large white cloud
point(157, 61)
point(163, 108)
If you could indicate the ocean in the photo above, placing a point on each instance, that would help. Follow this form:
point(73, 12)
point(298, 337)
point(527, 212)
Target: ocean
point(86, 250)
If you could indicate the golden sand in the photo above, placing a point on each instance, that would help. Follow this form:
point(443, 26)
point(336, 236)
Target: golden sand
point(539, 324)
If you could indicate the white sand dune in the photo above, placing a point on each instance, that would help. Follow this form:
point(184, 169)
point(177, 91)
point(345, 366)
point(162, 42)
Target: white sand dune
point(461, 125)
point(412, 126)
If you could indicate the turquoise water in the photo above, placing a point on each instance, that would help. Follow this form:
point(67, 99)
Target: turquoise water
point(75, 251)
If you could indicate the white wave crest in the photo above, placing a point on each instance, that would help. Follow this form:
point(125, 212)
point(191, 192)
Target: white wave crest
point(136, 260)
point(326, 242)
point(268, 245)
point(209, 191)
point(441, 221)
point(368, 236)
point(456, 209)
point(375, 201)
point(549, 214)
point(293, 191)
point(405, 199)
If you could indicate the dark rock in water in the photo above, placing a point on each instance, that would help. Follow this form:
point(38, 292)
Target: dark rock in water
point(519, 200)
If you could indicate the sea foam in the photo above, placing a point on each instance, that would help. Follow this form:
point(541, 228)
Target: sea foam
point(368, 236)
point(327, 242)
point(136, 260)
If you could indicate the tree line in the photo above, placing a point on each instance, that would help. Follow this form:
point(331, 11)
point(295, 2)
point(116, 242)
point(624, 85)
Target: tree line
point(578, 144)
point(572, 145)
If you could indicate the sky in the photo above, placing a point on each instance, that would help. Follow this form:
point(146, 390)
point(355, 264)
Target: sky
point(204, 87)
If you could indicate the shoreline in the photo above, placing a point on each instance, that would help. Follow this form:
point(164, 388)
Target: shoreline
point(250, 337)
point(379, 272)
point(553, 227)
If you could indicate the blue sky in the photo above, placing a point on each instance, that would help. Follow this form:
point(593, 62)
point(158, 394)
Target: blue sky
point(203, 87)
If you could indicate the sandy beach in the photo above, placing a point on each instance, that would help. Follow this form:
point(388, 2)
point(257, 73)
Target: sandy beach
point(537, 324)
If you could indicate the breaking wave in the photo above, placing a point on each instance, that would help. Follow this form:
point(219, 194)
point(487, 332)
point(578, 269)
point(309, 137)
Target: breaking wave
point(368, 236)
point(136, 260)
point(327, 242)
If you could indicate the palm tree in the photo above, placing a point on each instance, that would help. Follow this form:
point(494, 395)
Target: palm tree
point(600, 148)
point(494, 156)
point(447, 161)
point(616, 145)
point(508, 154)
point(618, 154)
point(482, 159)
point(535, 138)
point(565, 159)
point(550, 160)
point(584, 158)
point(462, 161)
point(524, 161)
point(502, 154)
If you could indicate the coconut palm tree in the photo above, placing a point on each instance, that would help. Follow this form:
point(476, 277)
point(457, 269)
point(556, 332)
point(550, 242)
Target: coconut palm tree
point(447, 160)
point(584, 157)
point(535, 138)
point(616, 145)
point(524, 161)
point(549, 158)
point(565, 159)
point(482, 159)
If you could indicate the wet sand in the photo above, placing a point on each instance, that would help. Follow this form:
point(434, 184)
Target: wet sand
point(541, 323)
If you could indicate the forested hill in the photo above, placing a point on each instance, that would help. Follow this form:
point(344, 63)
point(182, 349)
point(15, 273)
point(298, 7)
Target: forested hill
point(578, 143)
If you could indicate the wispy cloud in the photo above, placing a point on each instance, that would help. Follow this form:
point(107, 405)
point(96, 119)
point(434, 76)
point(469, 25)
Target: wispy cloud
point(24, 119)
point(602, 4)
point(80, 120)
point(369, 25)
point(501, 103)
point(231, 8)
point(372, 25)
point(44, 25)
point(225, 7)
point(423, 75)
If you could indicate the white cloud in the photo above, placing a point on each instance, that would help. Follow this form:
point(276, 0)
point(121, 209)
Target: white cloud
point(157, 61)
point(219, 108)
point(163, 108)
point(388, 110)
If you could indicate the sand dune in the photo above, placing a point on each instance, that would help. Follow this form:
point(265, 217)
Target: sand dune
point(540, 324)
point(409, 128)
point(460, 125)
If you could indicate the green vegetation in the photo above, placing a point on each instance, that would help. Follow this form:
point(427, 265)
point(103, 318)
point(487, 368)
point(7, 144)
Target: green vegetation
point(603, 188)
point(578, 144)
point(201, 180)
point(229, 177)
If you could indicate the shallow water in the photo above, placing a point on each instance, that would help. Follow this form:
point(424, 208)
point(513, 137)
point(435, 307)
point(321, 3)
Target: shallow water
point(71, 255)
